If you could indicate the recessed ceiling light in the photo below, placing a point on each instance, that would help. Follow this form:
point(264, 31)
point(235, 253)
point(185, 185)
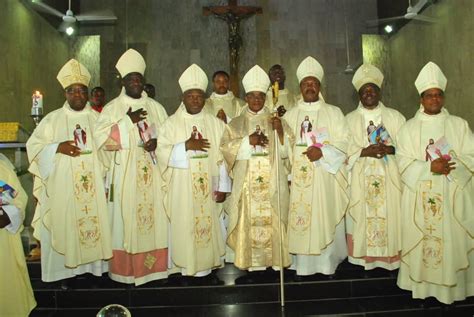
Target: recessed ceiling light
point(388, 28)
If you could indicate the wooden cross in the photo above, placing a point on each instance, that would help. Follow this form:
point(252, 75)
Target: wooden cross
point(232, 14)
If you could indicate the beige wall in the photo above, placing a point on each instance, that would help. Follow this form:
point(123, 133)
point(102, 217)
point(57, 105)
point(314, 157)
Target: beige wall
point(86, 49)
point(31, 53)
point(376, 51)
point(172, 34)
point(288, 31)
point(449, 43)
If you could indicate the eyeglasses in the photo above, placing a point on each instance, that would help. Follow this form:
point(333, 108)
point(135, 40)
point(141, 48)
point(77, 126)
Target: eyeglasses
point(72, 91)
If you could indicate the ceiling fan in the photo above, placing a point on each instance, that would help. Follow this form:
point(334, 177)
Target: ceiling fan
point(412, 14)
point(69, 18)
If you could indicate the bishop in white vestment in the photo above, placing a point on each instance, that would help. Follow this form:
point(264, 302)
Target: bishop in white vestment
point(248, 146)
point(126, 135)
point(435, 152)
point(319, 186)
point(71, 219)
point(195, 180)
point(373, 218)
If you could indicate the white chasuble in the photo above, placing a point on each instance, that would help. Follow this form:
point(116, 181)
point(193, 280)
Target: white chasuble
point(16, 294)
point(437, 218)
point(71, 216)
point(196, 236)
point(139, 223)
point(373, 218)
point(319, 193)
point(231, 105)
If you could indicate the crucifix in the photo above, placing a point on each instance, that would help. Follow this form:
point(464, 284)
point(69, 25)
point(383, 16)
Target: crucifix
point(232, 14)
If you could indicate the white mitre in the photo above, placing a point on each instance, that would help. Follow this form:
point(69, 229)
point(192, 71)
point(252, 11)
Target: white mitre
point(73, 72)
point(367, 74)
point(256, 79)
point(309, 67)
point(429, 77)
point(193, 78)
point(131, 62)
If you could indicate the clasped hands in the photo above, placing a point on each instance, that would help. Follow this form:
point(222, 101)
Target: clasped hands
point(377, 151)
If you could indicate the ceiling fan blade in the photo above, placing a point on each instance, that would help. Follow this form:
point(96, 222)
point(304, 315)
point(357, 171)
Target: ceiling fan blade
point(47, 9)
point(424, 18)
point(385, 20)
point(96, 18)
point(419, 5)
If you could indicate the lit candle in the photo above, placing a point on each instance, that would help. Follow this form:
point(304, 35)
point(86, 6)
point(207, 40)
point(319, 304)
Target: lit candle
point(37, 107)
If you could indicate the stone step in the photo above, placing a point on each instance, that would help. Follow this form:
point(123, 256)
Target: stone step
point(350, 291)
point(395, 305)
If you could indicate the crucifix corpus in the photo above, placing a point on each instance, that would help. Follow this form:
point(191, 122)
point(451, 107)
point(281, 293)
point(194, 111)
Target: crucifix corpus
point(232, 14)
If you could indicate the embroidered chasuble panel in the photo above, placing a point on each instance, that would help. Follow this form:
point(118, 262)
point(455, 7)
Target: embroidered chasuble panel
point(202, 185)
point(315, 209)
point(140, 222)
point(431, 203)
point(144, 200)
point(260, 207)
point(376, 208)
point(85, 187)
point(145, 174)
point(86, 242)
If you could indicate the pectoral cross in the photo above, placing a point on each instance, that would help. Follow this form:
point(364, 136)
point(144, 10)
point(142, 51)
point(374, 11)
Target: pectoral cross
point(232, 14)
